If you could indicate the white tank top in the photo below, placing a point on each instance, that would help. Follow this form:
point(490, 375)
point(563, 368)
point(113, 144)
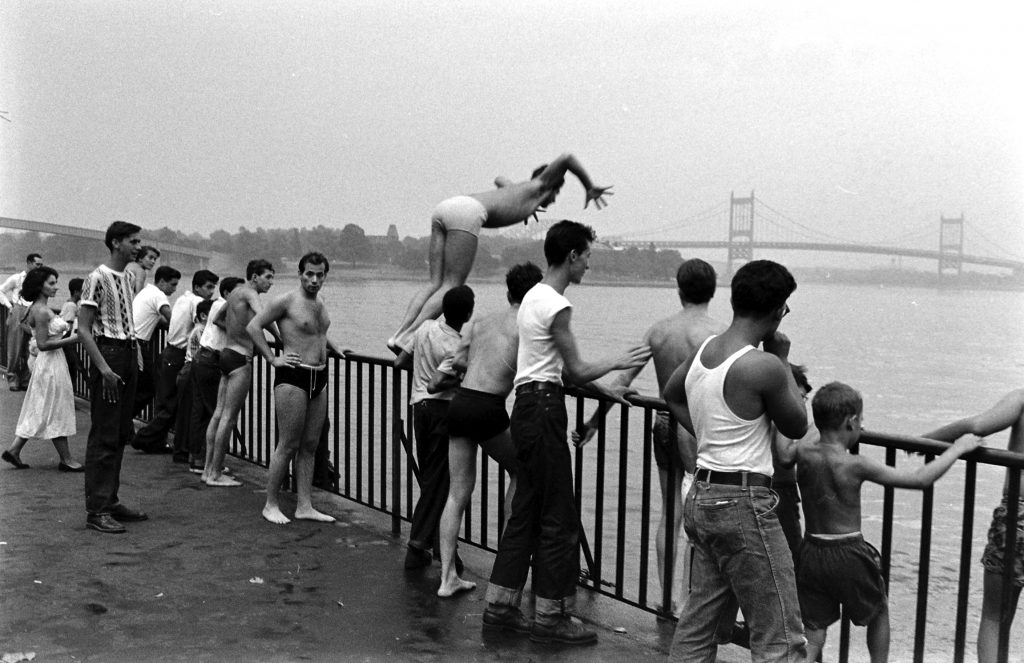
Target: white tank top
point(725, 442)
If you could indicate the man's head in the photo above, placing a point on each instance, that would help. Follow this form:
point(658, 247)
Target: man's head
point(837, 408)
point(75, 288)
point(203, 310)
point(260, 273)
point(122, 239)
point(457, 305)
point(147, 256)
point(520, 279)
point(697, 281)
point(166, 278)
point(33, 260)
point(760, 289)
point(204, 282)
point(229, 283)
point(313, 268)
point(568, 243)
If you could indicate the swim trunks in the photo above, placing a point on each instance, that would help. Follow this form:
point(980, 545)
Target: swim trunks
point(476, 415)
point(666, 450)
point(310, 379)
point(995, 550)
point(463, 213)
point(231, 360)
point(834, 572)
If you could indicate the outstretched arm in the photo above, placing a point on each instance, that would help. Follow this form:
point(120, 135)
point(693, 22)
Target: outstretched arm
point(617, 391)
point(552, 177)
point(921, 477)
point(1009, 411)
point(581, 372)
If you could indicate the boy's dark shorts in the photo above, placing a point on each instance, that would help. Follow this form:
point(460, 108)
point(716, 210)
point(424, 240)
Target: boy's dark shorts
point(995, 550)
point(476, 415)
point(666, 450)
point(847, 572)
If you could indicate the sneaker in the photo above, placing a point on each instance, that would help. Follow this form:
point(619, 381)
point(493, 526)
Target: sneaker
point(125, 515)
point(196, 469)
point(564, 630)
point(416, 558)
point(512, 620)
point(102, 522)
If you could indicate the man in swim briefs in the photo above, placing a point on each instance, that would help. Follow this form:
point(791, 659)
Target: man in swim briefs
point(456, 223)
point(300, 379)
point(241, 306)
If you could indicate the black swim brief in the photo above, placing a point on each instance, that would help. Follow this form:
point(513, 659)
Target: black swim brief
point(231, 360)
point(311, 379)
point(836, 572)
point(476, 415)
point(666, 450)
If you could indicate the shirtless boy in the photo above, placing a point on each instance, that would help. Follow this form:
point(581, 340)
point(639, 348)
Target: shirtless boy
point(300, 381)
point(476, 416)
point(837, 566)
point(242, 305)
point(1007, 413)
point(455, 227)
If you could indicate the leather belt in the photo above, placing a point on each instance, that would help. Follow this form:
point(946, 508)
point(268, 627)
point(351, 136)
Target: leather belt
point(539, 387)
point(733, 478)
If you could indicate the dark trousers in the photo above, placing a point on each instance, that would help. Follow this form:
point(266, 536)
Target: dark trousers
point(544, 527)
point(146, 389)
point(183, 413)
point(17, 348)
point(430, 424)
point(111, 428)
point(154, 434)
point(205, 381)
point(788, 511)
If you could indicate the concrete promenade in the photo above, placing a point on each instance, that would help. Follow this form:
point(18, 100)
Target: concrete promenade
point(207, 579)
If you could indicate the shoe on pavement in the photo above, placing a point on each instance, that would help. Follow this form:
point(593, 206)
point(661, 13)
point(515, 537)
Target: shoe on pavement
point(125, 515)
point(565, 631)
point(416, 558)
point(102, 522)
point(512, 620)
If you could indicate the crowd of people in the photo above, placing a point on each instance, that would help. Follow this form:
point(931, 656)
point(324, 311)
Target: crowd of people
point(737, 454)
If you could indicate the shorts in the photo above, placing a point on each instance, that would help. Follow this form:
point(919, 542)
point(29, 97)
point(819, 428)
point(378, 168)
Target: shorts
point(232, 360)
point(993, 557)
point(310, 379)
point(476, 415)
point(463, 213)
point(666, 452)
point(845, 572)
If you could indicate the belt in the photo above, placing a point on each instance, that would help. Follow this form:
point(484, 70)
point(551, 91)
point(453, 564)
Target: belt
point(115, 342)
point(539, 388)
point(744, 479)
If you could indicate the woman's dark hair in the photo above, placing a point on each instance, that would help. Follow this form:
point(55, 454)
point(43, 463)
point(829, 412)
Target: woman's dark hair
point(32, 287)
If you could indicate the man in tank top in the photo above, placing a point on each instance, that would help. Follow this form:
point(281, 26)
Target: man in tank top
point(728, 395)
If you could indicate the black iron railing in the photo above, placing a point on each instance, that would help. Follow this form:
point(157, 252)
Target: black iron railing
point(370, 444)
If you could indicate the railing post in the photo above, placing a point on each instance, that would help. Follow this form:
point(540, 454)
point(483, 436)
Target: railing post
point(396, 451)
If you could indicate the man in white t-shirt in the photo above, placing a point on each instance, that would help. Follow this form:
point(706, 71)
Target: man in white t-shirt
point(17, 340)
point(151, 309)
point(543, 530)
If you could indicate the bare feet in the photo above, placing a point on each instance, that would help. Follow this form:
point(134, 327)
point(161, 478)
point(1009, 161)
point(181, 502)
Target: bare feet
point(222, 482)
point(458, 585)
point(274, 515)
point(312, 514)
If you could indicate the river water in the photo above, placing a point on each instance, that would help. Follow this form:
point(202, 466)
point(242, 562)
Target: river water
point(920, 358)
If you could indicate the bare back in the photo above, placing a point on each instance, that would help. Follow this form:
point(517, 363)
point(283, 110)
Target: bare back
point(676, 338)
point(493, 344)
point(830, 483)
point(240, 307)
point(303, 326)
point(511, 204)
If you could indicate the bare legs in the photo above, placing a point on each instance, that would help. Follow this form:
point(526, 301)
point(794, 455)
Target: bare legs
point(451, 258)
point(988, 630)
point(59, 443)
point(231, 394)
point(299, 422)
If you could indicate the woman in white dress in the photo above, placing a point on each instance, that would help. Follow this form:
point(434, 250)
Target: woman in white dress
point(48, 410)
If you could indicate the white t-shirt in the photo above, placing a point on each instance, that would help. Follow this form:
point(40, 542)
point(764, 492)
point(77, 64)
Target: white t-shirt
point(183, 315)
point(434, 341)
point(10, 290)
point(146, 310)
point(538, 359)
point(213, 336)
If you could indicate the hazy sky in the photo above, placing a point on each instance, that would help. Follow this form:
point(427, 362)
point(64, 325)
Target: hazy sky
point(865, 120)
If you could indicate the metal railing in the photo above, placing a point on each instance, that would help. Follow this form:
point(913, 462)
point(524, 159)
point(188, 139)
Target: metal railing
point(371, 445)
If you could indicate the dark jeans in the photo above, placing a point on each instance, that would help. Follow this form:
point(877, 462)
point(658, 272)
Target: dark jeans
point(183, 413)
point(205, 381)
point(430, 424)
point(154, 434)
point(544, 526)
point(111, 429)
point(146, 389)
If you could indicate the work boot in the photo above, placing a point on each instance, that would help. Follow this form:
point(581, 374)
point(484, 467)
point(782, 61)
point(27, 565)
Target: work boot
point(512, 619)
point(102, 522)
point(563, 630)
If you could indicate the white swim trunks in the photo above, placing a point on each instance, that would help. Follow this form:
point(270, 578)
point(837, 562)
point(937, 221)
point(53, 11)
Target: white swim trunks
point(463, 213)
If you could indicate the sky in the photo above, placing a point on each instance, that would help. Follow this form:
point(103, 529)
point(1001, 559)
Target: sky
point(863, 121)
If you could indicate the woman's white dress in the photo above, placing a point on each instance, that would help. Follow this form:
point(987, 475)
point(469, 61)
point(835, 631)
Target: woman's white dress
point(48, 410)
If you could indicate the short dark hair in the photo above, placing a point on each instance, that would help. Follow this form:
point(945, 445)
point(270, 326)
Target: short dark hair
point(760, 287)
point(697, 280)
point(202, 277)
point(32, 286)
point(146, 250)
point(458, 304)
point(520, 278)
point(165, 273)
point(203, 308)
point(75, 285)
point(117, 231)
point(316, 258)
point(256, 267)
point(565, 237)
point(32, 257)
point(229, 283)
point(833, 403)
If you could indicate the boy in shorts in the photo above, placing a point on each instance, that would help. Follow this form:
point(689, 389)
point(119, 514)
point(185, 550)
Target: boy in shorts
point(836, 566)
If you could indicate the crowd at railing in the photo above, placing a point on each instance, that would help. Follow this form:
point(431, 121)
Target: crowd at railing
point(370, 444)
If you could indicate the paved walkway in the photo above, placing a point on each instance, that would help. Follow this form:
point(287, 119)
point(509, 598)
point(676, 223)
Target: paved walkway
point(207, 579)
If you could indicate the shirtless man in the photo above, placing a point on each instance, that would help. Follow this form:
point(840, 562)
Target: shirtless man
point(300, 381)
point(243, 304)
point(456, 223)
point(673, 340)
point(476, 416)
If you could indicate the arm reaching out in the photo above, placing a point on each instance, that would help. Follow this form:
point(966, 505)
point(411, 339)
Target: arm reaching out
point(921, 477)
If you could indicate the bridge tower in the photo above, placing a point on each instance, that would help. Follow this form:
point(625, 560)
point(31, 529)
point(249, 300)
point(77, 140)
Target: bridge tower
point(741, 230)
point(951, 245)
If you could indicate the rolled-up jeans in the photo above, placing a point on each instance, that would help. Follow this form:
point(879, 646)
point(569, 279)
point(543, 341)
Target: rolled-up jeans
point(544, 526)
point(739, 554)
point(111, 427)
